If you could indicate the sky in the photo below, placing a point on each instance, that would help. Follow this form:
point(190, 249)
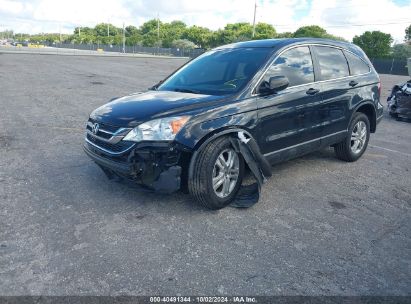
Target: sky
point(345, 18)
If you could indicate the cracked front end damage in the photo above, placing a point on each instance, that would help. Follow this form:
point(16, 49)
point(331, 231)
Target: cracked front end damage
point(164, 167)
point(155, 166)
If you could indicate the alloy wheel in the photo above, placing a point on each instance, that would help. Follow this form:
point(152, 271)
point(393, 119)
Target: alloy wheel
point(225, 173)
point(358, 137)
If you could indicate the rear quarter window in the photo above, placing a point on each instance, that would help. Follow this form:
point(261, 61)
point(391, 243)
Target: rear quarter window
point(332, 62)
point(357, 65)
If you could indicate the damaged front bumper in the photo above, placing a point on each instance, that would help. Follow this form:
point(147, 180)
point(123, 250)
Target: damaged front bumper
point(165, 166)
point(155, 166)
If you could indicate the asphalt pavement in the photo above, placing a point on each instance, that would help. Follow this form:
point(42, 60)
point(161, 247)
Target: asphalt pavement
point(322, 226)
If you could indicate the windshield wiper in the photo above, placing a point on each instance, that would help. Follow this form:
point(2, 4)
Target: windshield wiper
point(183, 90)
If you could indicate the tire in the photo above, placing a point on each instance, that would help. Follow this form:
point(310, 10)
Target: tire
point(347, 150)
point(206, 167)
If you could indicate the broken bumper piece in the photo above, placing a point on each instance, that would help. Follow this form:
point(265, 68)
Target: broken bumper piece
point(248, 195)
point(154, 169)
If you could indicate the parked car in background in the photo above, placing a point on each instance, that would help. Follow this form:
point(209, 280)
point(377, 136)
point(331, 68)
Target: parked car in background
point(278, 98)
point(20, 43)
point(399, 101)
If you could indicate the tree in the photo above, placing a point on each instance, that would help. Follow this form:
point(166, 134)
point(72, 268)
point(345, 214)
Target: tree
point(233, 32)
point(264, 31)
point(132, 31)
point(183, 44)
point(310, 31)
point(401, 51)
point(201, 36)
point(150, 26)
point(149, 32)
point(172, 31)
point(375, 44)
point(6, 34)
point(151, 39)
point(314, 31)
point(241, 31)
point(285, 35)
point(102, 29)
point(408, 34)
point(47, 38)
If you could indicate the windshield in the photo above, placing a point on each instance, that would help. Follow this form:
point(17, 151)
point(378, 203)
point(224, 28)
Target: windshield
point(218, 72)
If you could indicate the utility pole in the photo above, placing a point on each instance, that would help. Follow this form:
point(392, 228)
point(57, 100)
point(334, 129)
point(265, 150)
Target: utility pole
point(108, 29)
point(158, 27)
point(79, 31)
point(124, 39)
point(255, 11)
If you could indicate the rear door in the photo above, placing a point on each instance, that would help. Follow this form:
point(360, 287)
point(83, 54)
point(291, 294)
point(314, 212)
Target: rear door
point(337, 90)
point(283, 121)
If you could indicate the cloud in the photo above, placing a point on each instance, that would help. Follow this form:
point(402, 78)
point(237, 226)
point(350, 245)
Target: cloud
point(340, 17)
point(347, 18)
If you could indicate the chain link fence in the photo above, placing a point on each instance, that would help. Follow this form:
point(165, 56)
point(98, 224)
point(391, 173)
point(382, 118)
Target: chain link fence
point(392, 66)
point(134, 49)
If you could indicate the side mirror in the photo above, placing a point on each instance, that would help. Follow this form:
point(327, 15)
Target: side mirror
point(275, 84)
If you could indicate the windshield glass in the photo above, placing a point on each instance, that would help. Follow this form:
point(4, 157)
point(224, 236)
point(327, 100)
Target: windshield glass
point(218, 72)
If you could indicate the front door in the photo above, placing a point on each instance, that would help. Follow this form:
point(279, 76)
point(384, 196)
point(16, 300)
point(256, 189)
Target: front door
point(288, 121)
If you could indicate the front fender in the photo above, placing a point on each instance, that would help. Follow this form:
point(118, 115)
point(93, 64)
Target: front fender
point(197, 131)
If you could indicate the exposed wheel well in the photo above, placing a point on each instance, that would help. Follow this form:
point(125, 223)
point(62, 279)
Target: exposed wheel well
point(203, 142)
point(369, 110)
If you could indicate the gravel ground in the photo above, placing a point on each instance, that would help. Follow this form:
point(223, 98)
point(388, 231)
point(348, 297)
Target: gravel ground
point(322, 226)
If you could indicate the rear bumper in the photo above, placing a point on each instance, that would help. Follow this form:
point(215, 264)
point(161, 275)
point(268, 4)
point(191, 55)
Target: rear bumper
point(155, 168)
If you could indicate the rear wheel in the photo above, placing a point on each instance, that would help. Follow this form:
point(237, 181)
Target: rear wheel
point(217, 174)
point(355, 144)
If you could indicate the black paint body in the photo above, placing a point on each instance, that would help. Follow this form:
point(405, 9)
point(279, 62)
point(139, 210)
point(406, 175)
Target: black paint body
point(286, 124)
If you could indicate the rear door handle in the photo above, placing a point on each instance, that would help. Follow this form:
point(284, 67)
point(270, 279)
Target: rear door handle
point(312, 91)
point(353, 83)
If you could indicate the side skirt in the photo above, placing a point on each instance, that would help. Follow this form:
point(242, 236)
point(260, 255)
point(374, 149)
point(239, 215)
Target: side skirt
point(301, 149)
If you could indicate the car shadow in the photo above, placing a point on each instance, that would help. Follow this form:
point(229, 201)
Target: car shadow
point(402, 119)
point(127, 194)
point(123, 193)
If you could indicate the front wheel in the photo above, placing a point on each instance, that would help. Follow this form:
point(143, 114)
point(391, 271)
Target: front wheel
point(356, 142)
point(217, 174)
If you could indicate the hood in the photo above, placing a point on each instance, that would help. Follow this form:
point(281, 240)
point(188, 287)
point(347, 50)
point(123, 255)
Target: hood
point(130, 111)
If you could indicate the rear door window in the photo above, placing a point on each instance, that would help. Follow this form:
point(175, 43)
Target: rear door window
point(332, 62)
point(357, 65)
point(296, 64)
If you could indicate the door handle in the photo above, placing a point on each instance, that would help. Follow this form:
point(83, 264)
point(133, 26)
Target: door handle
point(312, 91)
point(353, 83)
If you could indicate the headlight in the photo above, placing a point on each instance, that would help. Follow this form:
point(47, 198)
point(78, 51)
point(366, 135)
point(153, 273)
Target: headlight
point(158, 129)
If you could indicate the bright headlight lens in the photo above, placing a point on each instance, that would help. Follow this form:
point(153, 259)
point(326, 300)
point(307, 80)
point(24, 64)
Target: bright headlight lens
point(158, 129)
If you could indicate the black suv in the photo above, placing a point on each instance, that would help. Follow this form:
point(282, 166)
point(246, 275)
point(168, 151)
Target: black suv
point(238, 107)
